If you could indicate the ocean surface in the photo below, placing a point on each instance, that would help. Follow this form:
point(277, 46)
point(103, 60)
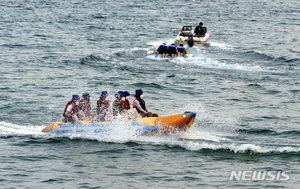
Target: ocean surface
point(244, 86)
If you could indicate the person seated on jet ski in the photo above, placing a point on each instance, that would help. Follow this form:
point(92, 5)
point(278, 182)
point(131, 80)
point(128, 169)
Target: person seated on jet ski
point(85, 106)
point(140, 105)
point(172, 50)
point(117, 107)
point(72, 112)
point(199, 30)
point(181, 50)
point(103, 108)
point(162, 49)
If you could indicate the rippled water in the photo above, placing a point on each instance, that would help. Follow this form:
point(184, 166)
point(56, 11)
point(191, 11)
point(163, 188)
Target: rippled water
point(244, 85)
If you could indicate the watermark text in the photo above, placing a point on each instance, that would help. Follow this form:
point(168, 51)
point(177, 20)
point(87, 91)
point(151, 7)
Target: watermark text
point(260, 175)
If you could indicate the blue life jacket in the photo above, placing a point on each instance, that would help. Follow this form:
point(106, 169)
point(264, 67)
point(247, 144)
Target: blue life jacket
point(180, 49)
point(172, 49)
point(162, 49)
point(163, 46)
point(172, 46)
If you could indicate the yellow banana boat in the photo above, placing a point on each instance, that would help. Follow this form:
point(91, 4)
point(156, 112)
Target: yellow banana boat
point(139, 125)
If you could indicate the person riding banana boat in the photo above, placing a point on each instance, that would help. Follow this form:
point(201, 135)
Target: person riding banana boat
point(85, 106)
point(181, 50)
point(104, 111)
point(140, 105)
point(131, 112)
point(172, 50)
point(71, 113)
point(162, 49)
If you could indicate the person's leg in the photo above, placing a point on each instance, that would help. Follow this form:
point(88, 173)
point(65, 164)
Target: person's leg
point(133, 113)
point(75, 118)
point(81, 115)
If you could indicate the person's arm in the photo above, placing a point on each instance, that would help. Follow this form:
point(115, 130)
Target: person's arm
point(82, 115)
point(74, 116)
point(69, 109)
point(67, 113)
point(137, 105)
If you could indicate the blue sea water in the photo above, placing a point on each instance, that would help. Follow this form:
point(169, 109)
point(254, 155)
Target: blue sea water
point(244, 86)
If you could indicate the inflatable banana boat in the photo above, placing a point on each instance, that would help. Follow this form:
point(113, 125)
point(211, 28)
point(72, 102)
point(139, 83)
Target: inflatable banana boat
point(139, 125)
point(151, 54)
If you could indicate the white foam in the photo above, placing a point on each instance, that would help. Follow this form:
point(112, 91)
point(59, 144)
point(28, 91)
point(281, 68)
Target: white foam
point(236, 148)
point(190, 140)
point(117, 134)
point(9, 129)
point(210, 63)
point(221, 45)
point(197, 135)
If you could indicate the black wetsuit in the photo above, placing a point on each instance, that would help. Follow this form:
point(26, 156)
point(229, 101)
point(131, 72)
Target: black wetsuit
point(162, 49)
point(199, 30)
point(172, 49)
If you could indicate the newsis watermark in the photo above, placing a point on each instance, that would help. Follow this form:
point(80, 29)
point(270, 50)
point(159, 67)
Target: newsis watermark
point(260, 175)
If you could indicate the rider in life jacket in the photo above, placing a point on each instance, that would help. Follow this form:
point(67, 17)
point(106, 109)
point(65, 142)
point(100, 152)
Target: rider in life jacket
point(103, 107)
point(72, 110)
point(126, 103)
point(180, 50)
point(199, 30)
point(85, 106)
point(162, 49)
point(172, 50)
point(117, 106)
point(140, 105)
point(132, 113)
